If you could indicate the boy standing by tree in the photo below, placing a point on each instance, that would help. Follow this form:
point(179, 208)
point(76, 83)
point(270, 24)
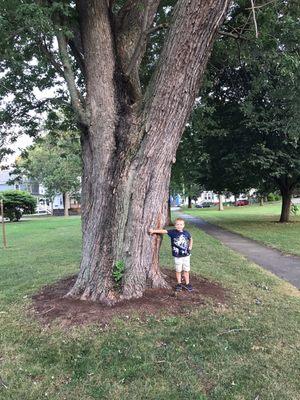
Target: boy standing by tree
point(182, 243)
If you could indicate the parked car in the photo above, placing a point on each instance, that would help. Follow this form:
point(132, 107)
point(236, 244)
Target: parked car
point(241, 203)
point(205, 204)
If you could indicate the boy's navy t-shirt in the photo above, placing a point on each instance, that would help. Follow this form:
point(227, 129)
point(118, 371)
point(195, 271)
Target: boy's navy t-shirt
point(179, 242)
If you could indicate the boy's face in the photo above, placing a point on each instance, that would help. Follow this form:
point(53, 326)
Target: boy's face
point(179, 225)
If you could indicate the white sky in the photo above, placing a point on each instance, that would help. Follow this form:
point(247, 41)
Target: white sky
point(22, 142)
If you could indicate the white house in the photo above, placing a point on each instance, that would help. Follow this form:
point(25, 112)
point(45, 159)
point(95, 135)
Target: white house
point(34, 188)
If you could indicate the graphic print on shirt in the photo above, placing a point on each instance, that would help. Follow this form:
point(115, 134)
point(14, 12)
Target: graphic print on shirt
point(181, 243)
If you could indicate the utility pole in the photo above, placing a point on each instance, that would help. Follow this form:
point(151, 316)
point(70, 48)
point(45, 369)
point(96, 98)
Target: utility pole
point(3, 225)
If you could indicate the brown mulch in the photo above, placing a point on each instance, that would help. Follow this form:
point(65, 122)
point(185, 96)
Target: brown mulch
point(49, 304)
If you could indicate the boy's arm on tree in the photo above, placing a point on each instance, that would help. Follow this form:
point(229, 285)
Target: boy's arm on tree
point(160, 231)
point(191, 243)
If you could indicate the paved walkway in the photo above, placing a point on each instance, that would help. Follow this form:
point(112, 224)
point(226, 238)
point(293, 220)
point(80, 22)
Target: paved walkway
point(283, 265)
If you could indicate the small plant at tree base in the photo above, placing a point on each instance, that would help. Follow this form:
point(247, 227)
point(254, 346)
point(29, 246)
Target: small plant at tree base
point(118, 271)
point(295, 209)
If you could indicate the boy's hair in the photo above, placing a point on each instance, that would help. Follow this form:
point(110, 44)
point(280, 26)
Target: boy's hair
point(179, 219)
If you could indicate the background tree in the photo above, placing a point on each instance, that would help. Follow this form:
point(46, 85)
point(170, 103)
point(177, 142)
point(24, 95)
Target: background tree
point(249, 110)
point(272, 105)
point(129, 130)
point(4, 151)
point(219, 155)
point(55, 162)
point(185, 171)
point(278, 161)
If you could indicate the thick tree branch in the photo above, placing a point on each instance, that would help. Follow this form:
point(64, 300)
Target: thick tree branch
point(132, 28)
point(179, 71)
point(222, 14)
point(78, 56)
point(232, 35)
point(77, 99)
point(157, 28)
point(50, 56)
point(140, 44)
point(262, 5)
point(98, 42)
point(254, 18)
point(75, 44)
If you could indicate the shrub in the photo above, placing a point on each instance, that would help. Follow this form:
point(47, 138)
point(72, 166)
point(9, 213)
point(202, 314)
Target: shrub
point(271, 197)
point(16, 203)
point(295, 209)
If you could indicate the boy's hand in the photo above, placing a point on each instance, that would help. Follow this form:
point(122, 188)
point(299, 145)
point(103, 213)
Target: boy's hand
point(151, 231)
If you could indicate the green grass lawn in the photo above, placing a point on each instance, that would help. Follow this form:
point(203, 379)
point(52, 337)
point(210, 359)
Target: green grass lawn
point(259, 223)
point(247, 350)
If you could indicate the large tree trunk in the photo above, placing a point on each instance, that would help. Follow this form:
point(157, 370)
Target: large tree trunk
point(189, 202)
point(66, 200)
point(221, 207)
point(130, 143)
point(51, 202)
point(286, 194)
point(261, 201)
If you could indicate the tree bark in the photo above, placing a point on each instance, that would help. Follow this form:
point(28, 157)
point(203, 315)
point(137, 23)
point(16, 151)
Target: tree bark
point(66, 200)
point(189, 202)
point(169, 216)
point(130, 143)
point(221, 207)
point(261, 201)
point(51, 202)
point(286, 194)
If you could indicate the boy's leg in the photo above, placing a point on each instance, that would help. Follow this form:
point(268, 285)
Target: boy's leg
point(186, 275)
point(178, 269)
point(178, 277)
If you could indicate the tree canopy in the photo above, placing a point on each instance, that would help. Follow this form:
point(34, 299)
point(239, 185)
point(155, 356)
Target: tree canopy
point(246, 123)
point(54, 161)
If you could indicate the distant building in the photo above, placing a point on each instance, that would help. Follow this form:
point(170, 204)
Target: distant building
point(33, 187)
point(27, 185)
point(208, 196)
point(37, 190)
point(4, 178)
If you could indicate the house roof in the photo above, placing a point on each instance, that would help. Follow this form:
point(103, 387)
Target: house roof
point(4, 176)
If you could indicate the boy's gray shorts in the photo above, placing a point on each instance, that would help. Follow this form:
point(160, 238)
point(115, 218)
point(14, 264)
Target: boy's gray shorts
point(182, 264)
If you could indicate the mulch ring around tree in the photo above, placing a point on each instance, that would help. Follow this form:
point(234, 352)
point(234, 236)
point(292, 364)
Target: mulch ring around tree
point(50, 306)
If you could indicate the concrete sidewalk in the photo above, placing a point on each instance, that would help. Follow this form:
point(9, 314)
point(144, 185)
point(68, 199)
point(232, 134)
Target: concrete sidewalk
point(283, 265)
